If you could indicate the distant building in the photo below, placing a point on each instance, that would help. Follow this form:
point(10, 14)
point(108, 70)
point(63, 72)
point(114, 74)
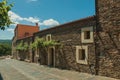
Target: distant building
point(22, 31)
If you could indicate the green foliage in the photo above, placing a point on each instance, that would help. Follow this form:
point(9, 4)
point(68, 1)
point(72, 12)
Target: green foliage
point(26, 47)
point(22, 47)
point(4, 18)
point(40, 42)
point(33, 46)
point(50, 43)
point(5, 49)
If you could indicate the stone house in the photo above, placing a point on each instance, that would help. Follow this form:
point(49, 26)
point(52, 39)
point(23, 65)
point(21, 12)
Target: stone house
point(22, 31)
point(90, 45)
point(75, 36)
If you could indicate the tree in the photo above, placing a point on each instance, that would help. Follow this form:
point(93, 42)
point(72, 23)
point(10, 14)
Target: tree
point(4, 17)
point(5, 49)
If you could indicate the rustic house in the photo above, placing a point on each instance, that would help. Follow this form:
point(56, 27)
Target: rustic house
point(22, 31)
point(90, 45)
point(72, 36)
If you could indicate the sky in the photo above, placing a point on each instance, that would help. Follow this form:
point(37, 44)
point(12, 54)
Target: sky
point(47, 13)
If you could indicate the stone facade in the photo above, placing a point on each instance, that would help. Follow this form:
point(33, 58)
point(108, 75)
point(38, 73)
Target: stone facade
point(26, 55)
point(90, 45)
point(70, 36)
point(108, 37)
point(14, 54)
point(22, 31)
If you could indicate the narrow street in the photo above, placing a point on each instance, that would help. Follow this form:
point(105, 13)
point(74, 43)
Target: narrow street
point(17, 70)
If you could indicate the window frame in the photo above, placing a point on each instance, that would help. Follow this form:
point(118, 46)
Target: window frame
point(87, 34)
point(48, 35)
point(83, 30)
point(85, 61)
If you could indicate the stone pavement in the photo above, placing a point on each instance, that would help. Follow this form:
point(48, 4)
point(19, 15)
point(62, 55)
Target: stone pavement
point(17, 70)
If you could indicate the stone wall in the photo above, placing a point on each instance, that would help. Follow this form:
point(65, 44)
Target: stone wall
point(108, 38)
point(69, 35)
point(103, 53)
point(14, 48)
point(26, 55)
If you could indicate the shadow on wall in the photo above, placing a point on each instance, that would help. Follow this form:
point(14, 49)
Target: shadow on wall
point(1, 78)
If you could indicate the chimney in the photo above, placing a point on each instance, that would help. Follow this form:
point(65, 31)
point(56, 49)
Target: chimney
point(36, 24)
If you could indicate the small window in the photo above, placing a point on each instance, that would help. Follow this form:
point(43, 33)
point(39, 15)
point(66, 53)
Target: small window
point(26, 34)
point(48, 37)
point(81, 54)
point(87, 34)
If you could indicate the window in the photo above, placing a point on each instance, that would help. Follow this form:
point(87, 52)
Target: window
point(48, 37)
point(87, 35)
point(81, 54)
point(26, 34)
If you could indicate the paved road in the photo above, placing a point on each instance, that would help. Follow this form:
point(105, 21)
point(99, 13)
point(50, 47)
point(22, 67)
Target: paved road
point(17, 70)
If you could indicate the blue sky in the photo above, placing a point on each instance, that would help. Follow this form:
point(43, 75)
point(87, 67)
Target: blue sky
point(47, 13)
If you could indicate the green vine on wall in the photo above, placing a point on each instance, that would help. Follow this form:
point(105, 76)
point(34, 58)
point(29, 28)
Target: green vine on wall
point(22, 47)
point(40, 42)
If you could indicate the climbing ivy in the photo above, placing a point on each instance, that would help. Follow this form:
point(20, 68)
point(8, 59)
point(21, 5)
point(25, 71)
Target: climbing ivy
point(22, 47)
point(26, 47)
point(40, 42)
point(50, 43)
point(4, 17)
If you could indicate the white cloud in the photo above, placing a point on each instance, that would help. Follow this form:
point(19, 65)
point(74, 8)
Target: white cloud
point(50, 22)
point(32, 0)
point(31, 19)
point(10, 30)
point(14, 16)
point(17, 19)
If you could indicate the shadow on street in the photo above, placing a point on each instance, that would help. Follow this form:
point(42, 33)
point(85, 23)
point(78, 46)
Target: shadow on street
point(1, 78)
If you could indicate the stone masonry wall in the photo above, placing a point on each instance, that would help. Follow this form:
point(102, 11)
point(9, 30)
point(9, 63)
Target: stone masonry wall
point(108, 37)
point(103, 53)
point(70, 36)
point(14, 48)
point(28, 54)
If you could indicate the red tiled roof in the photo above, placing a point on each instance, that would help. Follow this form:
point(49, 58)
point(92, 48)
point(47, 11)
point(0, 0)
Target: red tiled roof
point(25, 30)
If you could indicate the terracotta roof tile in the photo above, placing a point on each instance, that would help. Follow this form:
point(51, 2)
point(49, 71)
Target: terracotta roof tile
point(25, 30)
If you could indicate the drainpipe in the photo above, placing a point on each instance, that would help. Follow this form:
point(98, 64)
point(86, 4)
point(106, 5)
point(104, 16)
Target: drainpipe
point(33, 52)
point(96, 44)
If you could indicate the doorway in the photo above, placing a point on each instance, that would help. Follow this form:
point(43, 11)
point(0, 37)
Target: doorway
point(51, 57)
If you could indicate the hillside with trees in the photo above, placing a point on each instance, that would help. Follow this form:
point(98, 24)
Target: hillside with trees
point(5, 47)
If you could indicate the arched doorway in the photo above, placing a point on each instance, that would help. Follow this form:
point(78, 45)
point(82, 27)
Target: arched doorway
point(51, 57)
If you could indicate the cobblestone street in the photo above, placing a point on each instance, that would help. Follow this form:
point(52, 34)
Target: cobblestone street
point(17, 70)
